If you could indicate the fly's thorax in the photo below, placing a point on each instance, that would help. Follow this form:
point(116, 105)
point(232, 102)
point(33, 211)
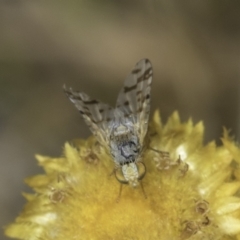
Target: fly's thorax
point(124, 143)
point(131, 173)
point(125, 148)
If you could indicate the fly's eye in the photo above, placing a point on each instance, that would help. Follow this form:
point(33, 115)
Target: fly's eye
point(119, 176)
point(141, 170)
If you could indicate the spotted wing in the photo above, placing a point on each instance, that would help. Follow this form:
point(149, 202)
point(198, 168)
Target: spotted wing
point(96, 114)
point(134, 98)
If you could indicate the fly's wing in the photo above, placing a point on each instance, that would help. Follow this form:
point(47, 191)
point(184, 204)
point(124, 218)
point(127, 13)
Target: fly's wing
point(134, 98)
point(96, 114)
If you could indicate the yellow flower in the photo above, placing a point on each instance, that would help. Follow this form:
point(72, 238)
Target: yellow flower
point(193, 194)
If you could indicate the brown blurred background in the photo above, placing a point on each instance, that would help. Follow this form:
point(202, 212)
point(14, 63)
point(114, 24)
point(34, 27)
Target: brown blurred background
point(194, 47)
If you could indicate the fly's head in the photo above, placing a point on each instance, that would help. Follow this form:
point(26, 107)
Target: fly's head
point(131, 173)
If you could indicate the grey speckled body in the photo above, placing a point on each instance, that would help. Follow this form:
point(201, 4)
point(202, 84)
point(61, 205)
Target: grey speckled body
point(122, 129)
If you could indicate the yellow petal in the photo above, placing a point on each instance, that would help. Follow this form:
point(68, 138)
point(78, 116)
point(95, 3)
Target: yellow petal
point(226, 205)
point(229, 225)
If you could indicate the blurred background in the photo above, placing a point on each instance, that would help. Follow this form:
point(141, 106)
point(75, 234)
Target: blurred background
point(92, 45)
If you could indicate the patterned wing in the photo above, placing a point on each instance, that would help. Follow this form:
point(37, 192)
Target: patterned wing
point(134, 98)
point(96, 114)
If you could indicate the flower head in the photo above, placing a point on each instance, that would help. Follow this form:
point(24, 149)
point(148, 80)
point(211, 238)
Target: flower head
point(190, 191)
